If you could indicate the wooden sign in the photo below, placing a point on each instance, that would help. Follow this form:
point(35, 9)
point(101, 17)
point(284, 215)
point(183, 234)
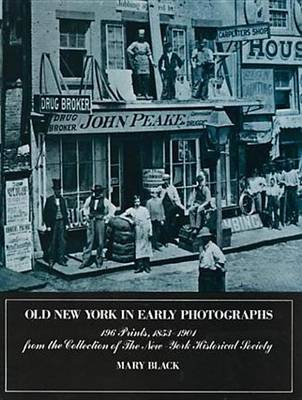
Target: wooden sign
point(243, 223)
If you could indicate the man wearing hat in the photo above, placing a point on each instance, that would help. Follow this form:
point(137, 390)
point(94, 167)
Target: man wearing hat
point(140, 57)
point(200, 202)
point(97, 210)
point(55, 218)
point(211, 265)
point(169, 64)
point(172, 206)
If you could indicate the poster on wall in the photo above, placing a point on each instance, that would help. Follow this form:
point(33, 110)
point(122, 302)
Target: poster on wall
point(258, 83)
point(18, 247)
point(195, 297)
point(17, 201)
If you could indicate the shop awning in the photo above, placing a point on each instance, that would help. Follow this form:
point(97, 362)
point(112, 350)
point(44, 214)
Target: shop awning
point(289, 121)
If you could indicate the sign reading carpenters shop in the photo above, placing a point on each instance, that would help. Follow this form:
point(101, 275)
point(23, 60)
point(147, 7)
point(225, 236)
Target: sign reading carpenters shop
point(62, 104)
point(242, 33)
point(128, 121)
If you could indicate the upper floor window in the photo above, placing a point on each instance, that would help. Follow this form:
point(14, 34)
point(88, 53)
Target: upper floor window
point(279, 13)
point(73, 46)
point(285, 89)
point(115, 44)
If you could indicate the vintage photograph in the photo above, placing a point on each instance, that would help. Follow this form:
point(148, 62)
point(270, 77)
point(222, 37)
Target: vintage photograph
point(151, 146)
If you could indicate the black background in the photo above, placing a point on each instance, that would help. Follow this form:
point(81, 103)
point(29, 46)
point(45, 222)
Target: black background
point(212, 371)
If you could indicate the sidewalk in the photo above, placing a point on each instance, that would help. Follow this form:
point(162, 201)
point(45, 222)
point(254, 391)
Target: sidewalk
point(242, 241)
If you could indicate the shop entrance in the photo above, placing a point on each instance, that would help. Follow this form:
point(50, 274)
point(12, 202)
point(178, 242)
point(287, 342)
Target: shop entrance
point(132, 166)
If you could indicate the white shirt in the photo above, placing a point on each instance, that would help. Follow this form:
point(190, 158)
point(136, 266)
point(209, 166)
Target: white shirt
point(211, 257)
point(291, 178)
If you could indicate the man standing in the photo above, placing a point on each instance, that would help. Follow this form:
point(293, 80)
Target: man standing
point(202, 60)
point(140, 57)
point(55, 218)
point(211, 265)
point(140, 217)
point(172, 206)
point(157, 215)
point(169, 64)
point(291, 181)
point(98, 210)
point(200, 202)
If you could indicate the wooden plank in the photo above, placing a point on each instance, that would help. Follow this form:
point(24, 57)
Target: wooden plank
point(156, 41)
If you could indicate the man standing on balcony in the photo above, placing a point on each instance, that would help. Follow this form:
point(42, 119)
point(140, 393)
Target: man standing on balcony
point(169, 64)
point(98, 210)
point(140, 57)
point(202, 60)
point(55, 218)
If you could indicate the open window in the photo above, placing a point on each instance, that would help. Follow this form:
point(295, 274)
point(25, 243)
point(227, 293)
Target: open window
point(73, 46)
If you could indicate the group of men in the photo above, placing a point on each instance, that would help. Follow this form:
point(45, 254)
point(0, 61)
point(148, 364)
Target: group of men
point(164, 208)
point(275, 193)
point(169, 65)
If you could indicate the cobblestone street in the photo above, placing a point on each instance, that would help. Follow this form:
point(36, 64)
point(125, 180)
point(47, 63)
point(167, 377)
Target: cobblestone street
point(273, 268)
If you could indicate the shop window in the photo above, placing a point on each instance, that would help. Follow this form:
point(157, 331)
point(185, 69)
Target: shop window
point(115, 46)
point(180, 46)
point(279, 13)
point(181, 163)
point(73, 47)
point(79, 163)
point(284, 89)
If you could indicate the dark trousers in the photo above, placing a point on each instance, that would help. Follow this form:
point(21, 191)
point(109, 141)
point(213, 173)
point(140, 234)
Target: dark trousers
point(142, 263)
point(292, 205)
point(142, 84)
point(273, 205)
point(56, 250)
point(283, 210)
point(156, 233)
point(171, 230)
point(211, 280)
point(168, 86)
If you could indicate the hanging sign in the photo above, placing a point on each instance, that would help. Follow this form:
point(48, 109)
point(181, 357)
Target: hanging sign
point(164, 7)
point(50, 104)
point(241, 33)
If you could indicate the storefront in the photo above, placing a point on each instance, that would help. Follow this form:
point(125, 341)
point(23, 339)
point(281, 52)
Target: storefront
point(120, 149)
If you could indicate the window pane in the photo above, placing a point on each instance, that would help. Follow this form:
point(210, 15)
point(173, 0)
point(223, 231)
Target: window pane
point(178, 176)
point(85, 176)
point(190, 174)
point(70, 177)
point(85, 150)
point(69, 151)
point(282, 99)
point(115, 47)
point(71, 63)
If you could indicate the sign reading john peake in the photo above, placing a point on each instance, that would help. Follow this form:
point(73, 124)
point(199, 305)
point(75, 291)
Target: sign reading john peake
point(128, 121)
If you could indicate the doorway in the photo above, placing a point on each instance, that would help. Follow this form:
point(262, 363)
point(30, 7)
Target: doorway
point(132, 166)
point(131, 36)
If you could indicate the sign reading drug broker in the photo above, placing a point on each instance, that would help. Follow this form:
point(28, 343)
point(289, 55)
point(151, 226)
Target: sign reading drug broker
point(62, 104)
point(242, 33)
point(128, 121)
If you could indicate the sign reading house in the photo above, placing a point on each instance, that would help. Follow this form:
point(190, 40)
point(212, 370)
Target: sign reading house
point(45, 104)
point(242, 33)
point(128, 121)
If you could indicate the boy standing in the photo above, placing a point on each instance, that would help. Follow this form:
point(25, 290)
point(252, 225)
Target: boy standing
point(157, 214)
